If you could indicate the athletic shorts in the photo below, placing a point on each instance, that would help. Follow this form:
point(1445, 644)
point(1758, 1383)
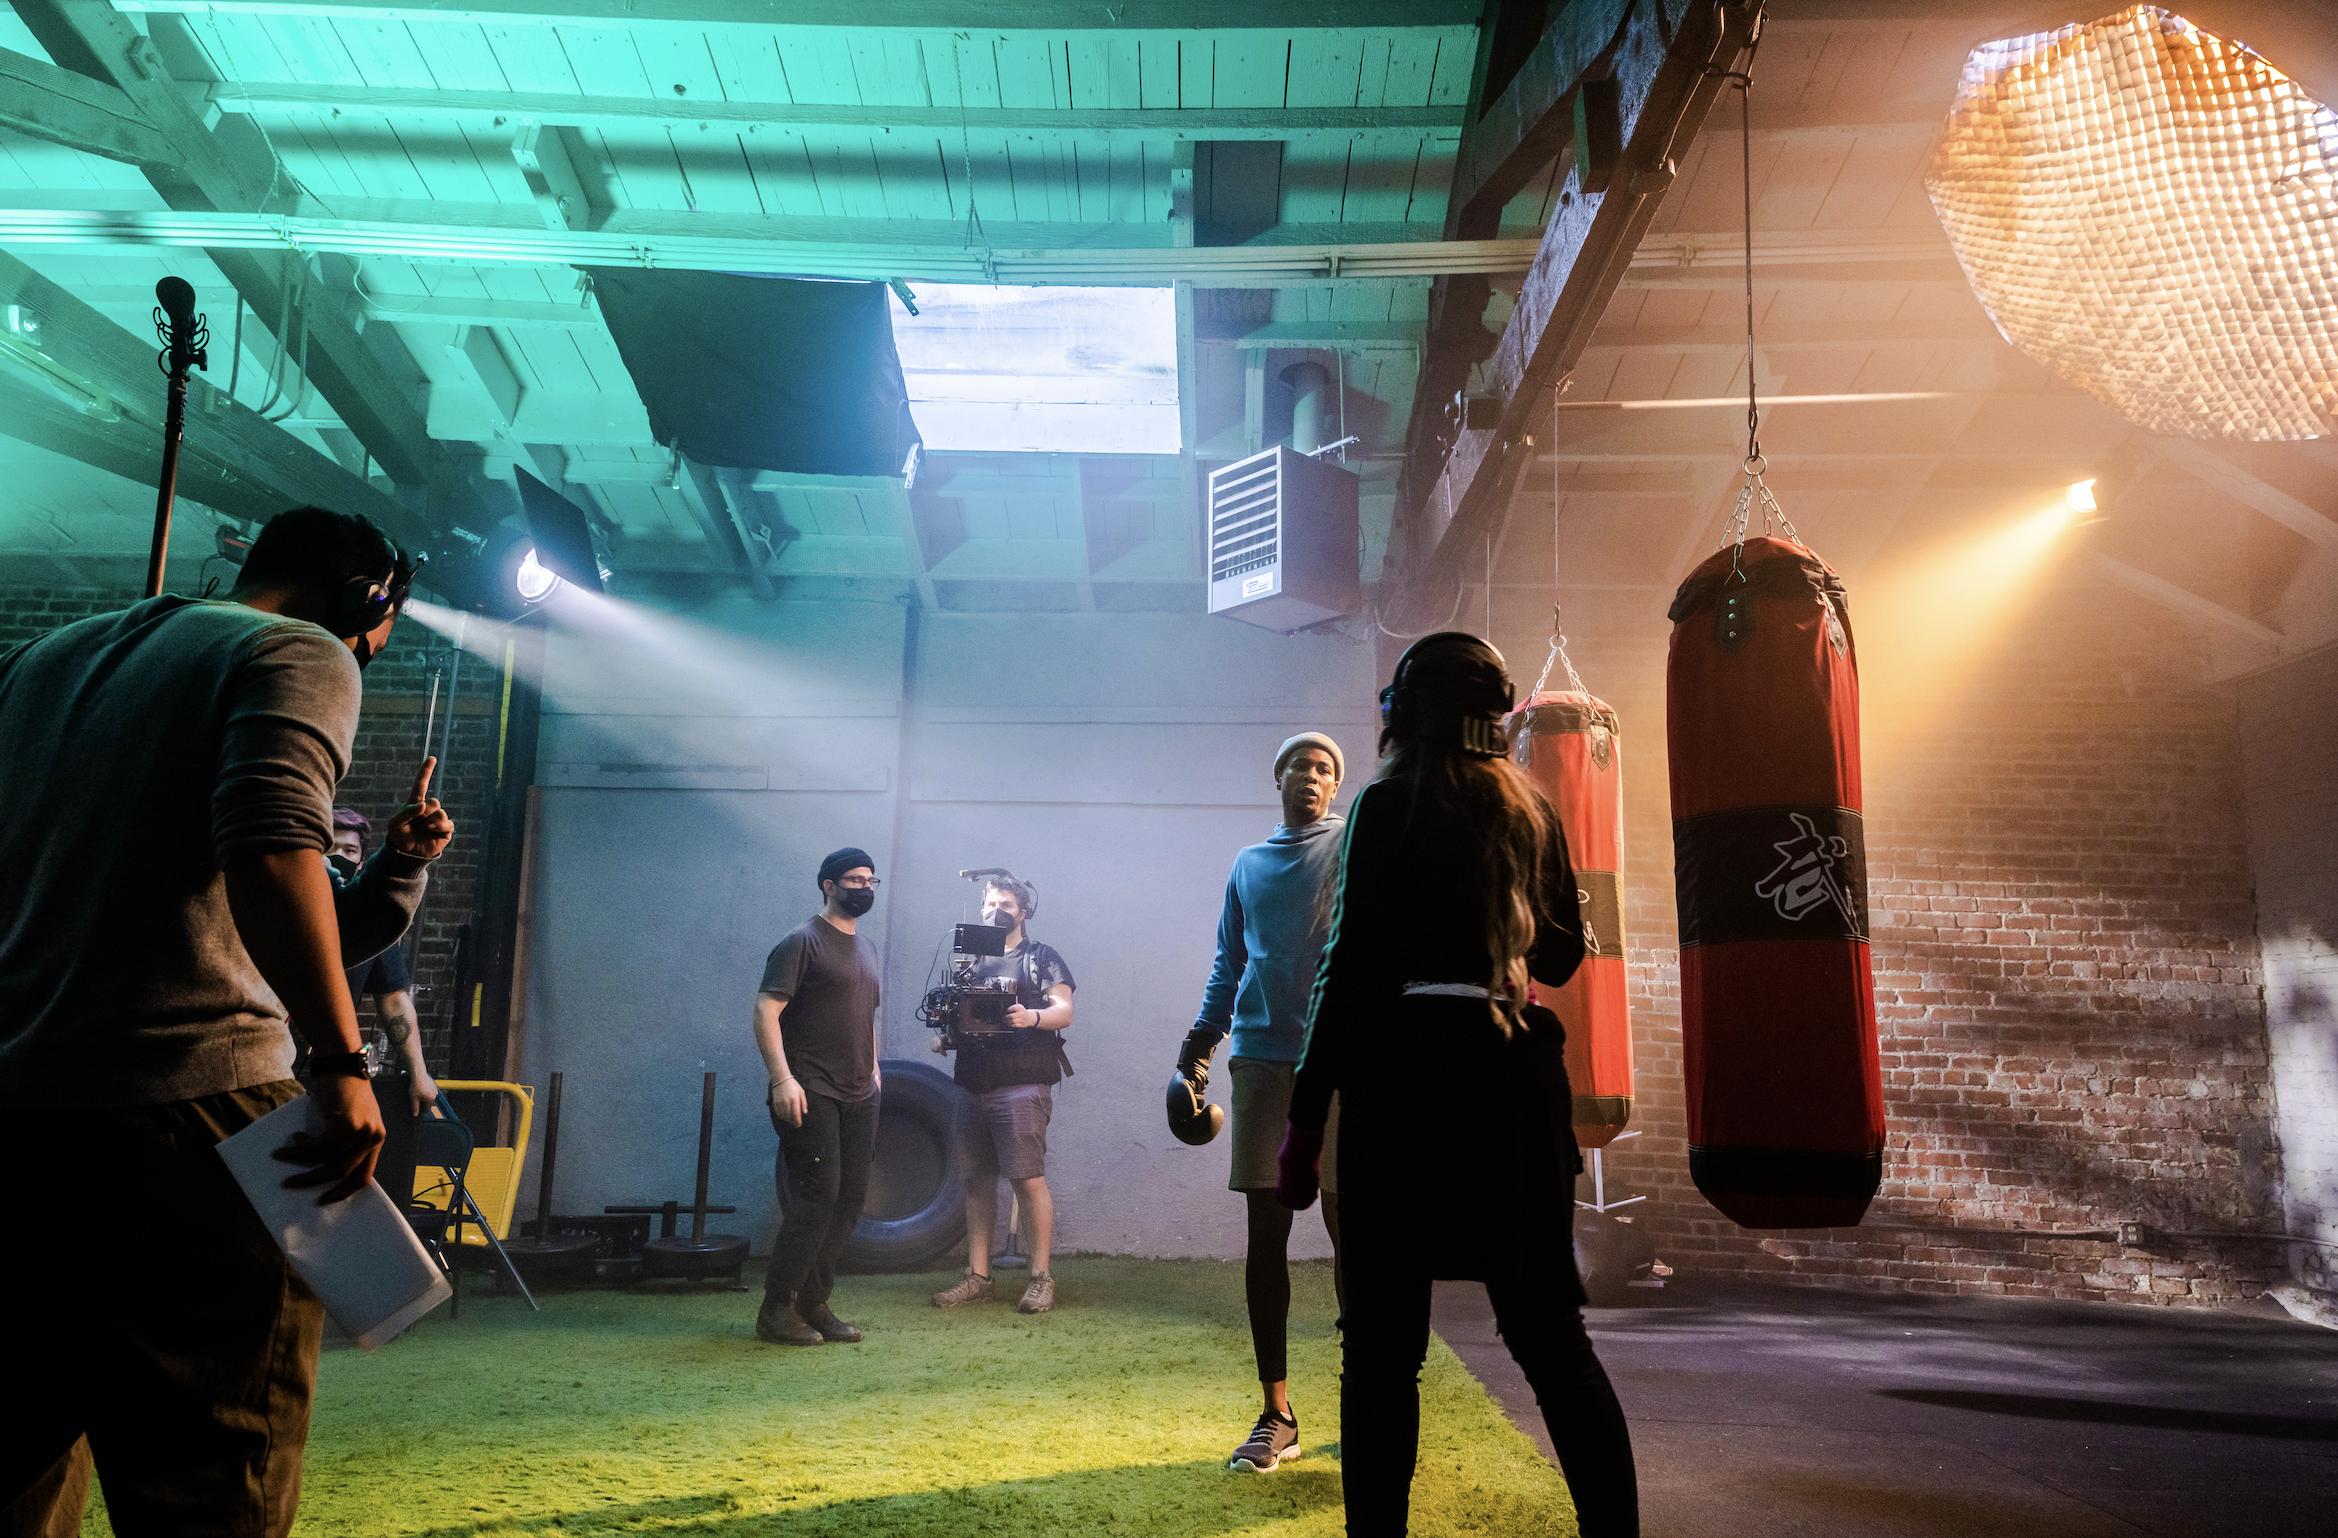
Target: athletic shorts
point(1004, 1131)
point(1262, 1113)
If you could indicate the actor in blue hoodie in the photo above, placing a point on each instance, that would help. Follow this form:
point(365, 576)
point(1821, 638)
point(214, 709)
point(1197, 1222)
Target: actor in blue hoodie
point(1270, 941)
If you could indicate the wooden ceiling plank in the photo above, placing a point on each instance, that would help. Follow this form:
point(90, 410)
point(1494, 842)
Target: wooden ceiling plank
point(364, 388)
point(928, 15)
point(273, 465)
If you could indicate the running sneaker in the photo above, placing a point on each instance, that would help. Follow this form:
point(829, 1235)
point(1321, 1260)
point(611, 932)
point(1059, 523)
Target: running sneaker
point(1273, 1442)
point(969, 1288)
point(1039, 1296)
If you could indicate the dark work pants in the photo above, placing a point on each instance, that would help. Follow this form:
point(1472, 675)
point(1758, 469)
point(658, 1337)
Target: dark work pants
point(823, 1177)
point(1386, 1341)
point(167, 1345)
point(393, 1090)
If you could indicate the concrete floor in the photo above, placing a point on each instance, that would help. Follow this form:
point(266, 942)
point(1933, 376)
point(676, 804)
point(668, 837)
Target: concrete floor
point(1823, 1414)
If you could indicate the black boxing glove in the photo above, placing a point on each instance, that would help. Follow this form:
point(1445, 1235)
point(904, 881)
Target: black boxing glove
point(1193, 1055)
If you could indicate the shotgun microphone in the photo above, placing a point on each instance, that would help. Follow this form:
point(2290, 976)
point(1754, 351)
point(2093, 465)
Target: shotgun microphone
point(177, 298)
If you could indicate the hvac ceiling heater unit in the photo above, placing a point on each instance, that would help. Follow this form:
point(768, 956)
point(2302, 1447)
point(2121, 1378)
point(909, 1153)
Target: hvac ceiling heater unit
point(1283, 550)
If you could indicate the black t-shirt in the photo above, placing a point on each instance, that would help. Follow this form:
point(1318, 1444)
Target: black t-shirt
point(829, 1028)
point(1024, 1057)
point(379, 978)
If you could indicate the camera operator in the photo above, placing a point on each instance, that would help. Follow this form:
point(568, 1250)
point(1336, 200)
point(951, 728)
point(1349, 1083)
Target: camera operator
point(1002, 1119)
point(819, 987)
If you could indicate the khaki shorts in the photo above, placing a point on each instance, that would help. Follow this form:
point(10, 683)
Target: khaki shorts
point(1262, 1112)
point(1004, 1131)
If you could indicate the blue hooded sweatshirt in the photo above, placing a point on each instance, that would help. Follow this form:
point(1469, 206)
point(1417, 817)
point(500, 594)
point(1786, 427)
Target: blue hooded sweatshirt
point(1270, 941)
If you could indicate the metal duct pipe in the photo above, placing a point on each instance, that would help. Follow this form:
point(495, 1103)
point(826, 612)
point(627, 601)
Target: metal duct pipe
point(1310, 387)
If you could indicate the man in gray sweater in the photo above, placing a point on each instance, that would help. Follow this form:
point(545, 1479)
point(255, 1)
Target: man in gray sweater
point(165, 911)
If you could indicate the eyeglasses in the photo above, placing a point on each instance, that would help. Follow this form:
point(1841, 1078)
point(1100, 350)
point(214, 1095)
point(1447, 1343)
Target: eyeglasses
point(865, 884)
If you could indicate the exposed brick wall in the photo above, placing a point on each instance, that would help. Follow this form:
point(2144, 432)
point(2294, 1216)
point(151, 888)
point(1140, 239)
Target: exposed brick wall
point(389, 748)
point(2067, 978)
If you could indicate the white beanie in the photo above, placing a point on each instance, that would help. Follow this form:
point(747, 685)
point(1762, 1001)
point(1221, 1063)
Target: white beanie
point(1339, 763)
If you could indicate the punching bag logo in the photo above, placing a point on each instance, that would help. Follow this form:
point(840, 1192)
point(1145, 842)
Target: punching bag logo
point(1808, 875)
point(1590, 932)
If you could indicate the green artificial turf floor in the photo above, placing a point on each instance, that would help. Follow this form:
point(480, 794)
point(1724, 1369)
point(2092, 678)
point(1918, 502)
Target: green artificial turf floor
point(647, 1412)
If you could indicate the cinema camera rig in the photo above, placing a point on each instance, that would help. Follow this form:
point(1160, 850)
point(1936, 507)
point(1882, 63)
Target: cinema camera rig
point(969, 1010)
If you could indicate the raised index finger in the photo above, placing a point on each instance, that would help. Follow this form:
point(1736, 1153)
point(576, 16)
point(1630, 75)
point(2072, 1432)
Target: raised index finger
point(422, 780)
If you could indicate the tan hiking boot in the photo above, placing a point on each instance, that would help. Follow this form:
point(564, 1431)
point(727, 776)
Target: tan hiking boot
point(969, 1288)
point(1038, 1297)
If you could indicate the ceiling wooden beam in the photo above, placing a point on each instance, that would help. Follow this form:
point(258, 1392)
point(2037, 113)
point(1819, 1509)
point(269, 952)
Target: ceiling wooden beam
point(373, 396)
point(1529, 125)
point(931, 15)
point(39, 99)
point(930, 251)
point(1663, 84)
point(355, 104)
point(718, 520)
point(1803, 336)
point(2182, 600)
point(1499, 139)
point(2225, 468)
point(255, 465)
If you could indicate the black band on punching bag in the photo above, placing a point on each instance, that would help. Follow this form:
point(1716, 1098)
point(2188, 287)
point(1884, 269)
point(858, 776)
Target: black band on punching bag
point(1601, 893)
point(1771, 873)
point(1786, 1172)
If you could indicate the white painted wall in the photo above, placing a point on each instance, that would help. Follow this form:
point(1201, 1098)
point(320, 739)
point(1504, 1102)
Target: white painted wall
point(2289, 743)
point(1118, 761)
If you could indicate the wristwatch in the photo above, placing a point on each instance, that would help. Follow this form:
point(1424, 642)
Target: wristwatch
point(350, 1065)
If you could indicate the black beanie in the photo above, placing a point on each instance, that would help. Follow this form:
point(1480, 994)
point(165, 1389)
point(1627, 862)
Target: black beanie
point(841, 861)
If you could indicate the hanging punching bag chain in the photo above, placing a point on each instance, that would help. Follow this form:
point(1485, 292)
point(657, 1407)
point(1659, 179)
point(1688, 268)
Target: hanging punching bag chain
point(1557, 655)
point(1774, 519)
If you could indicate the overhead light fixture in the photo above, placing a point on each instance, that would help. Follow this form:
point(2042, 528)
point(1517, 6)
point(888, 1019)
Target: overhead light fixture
point(562, 548)
point(2078, 496)
point(534, 582)
point(2147, 209)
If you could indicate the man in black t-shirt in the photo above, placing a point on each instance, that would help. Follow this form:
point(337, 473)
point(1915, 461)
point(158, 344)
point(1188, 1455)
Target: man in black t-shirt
point(1002, 1119)
point(816, 1026)
point(402, 1084)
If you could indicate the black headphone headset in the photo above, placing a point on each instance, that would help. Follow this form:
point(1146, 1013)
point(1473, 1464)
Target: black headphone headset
point(1404, 712)
point(364, 602)
point(1022, 891)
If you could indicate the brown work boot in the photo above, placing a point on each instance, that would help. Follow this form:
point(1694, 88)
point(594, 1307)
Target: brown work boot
point(832, 1329)
point(778, 1323)
point(1039, 1296)
point(969, 1288)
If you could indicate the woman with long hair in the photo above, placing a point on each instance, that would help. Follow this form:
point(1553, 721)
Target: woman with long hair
point(1457, 1156)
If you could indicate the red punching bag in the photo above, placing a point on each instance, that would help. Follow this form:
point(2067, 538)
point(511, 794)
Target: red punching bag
point(1785, 1097)
point(1569, 746)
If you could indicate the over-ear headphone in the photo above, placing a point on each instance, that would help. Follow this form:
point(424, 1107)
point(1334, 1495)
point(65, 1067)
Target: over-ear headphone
point(364, 602)
point(1450, 683)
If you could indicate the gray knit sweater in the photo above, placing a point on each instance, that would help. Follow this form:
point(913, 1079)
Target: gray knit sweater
point(139, 753)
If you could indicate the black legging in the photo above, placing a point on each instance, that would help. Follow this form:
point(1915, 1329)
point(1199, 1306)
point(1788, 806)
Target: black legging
point(1387, 1339)
point(1266, 1279)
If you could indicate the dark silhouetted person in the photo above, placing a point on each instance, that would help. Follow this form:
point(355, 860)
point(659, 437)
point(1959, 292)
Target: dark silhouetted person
point(1457, 1154)
point(170, 772)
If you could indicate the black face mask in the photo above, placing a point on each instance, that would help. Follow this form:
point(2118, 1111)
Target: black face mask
point(855, 901)
point(1002, 919)
point(363, 651)
point(343, 865)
